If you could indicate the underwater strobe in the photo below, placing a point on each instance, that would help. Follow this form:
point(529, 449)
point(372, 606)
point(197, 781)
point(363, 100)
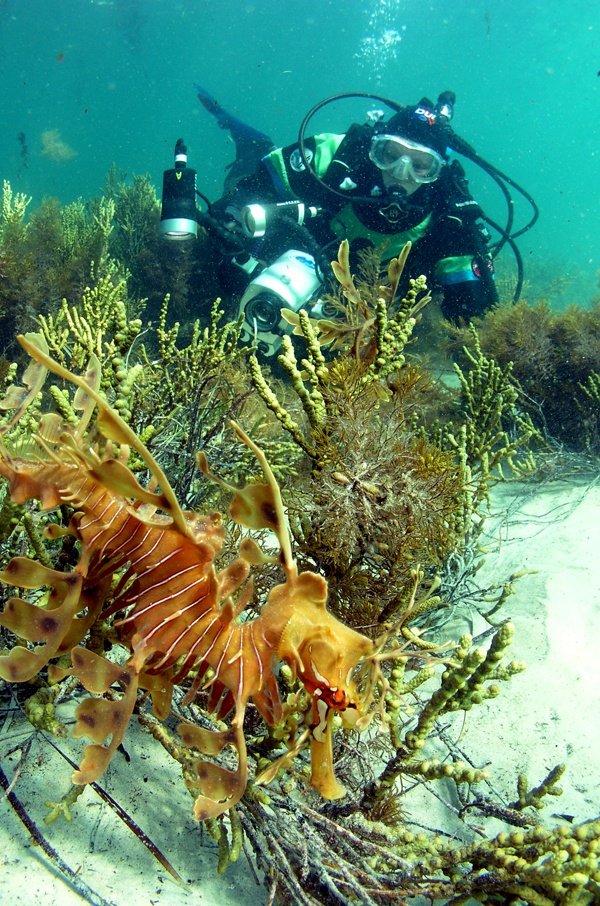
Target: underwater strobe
point(178, 211)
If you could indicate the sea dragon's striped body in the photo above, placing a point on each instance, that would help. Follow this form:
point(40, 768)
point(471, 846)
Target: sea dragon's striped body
point(175, 612)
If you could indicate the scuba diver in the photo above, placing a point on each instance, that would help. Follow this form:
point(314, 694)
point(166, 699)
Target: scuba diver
point(285, 210)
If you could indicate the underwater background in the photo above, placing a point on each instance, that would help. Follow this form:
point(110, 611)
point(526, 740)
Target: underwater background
point(88, 83)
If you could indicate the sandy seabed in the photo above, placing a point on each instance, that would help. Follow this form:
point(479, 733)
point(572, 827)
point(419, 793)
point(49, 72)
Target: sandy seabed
point(549, 714)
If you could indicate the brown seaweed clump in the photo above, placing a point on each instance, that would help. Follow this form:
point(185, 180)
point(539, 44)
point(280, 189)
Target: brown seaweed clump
point(385, 501)
point(554, 354)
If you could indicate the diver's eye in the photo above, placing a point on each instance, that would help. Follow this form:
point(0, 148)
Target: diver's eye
point(420, 167)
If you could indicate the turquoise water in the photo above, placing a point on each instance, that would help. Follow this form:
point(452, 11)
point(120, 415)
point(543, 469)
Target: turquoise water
point(112, 80)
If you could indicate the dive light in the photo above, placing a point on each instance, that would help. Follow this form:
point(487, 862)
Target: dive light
point(255, 219)
point(178, 212)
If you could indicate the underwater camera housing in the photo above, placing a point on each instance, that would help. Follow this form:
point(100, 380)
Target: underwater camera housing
point(290, 282)
point(178, 211)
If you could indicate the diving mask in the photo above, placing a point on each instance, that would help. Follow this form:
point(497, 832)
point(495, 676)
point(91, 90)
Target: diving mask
point(404, 159)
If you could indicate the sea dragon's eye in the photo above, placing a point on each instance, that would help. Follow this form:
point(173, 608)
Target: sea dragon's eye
point(333, 698)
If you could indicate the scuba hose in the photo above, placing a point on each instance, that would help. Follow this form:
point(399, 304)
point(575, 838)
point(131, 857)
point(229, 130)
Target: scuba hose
point(462, 147)
point(507, 236)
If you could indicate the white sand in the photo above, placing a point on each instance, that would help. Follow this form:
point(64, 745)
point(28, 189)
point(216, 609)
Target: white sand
point(551, 714)
point(547, 715)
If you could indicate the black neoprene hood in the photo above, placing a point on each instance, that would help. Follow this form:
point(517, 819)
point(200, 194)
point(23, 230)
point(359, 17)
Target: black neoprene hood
point(418, 124)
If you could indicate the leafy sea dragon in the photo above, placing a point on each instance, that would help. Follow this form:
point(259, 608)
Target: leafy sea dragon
point(145, 559)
